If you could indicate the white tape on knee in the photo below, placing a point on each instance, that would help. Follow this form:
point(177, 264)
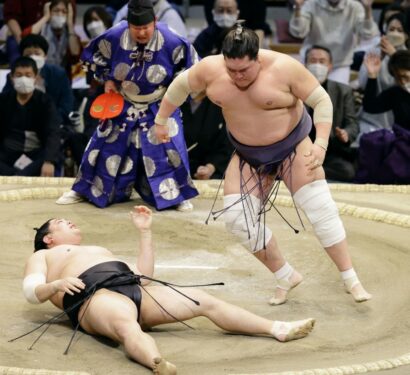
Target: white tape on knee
point(242, 220)
point(30, 283)
point(320, 208)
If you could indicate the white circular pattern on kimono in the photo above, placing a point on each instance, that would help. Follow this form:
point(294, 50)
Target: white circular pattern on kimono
point(149, 165)
point(127, 166)
point(104, 133)
point(136, 138)
point(97, 188)
point(112, 164)
point(152, 138)
point(125, 41)
point(194, 55)
point(131, 89)
point(178, 54)
point(173, 127)
point(156, 42)
point(105, 48)
point(121, 71)
point(92, 157)
point(114, 135)
point(156, 73)
point(173, 158)
point(168, 189)
point(99, 59)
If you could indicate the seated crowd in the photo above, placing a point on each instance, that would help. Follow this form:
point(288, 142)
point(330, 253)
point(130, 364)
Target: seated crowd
point(45, 125)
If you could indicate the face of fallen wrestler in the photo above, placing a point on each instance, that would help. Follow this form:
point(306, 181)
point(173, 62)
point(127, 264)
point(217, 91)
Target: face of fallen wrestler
point(63, 231)
point(142, 34)
point(243, 72)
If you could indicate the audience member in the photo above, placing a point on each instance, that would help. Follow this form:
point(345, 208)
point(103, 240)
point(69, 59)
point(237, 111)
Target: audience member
point(51, 79)
point(383, 154)
point(394, 39)
point(57, 26)
point(96, 20)
point(164, 12)
point(339, 163)
point(209, 149)
point(29, 133)
point(209, 41)
point(335, 24)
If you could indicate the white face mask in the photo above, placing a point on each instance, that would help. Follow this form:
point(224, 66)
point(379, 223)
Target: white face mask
point(96, 28)
point(319, 71)
point(40, 60)
point(225, 20)
point(24, 85)
point(396, 38)
point(407, 87)
point(58, 22)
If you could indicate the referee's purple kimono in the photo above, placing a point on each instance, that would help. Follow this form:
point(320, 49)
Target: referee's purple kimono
point(124, 153)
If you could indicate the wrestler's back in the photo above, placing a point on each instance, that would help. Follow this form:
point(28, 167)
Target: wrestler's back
point(266, 111)
point(72, 260)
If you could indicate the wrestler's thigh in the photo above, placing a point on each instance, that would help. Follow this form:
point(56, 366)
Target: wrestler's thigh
point(232, 182)
point(105, 309)
point(176, 304)
point(298, 174)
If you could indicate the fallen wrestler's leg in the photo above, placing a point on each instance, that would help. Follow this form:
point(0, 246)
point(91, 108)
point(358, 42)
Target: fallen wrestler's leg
point(311, 193)
point(226, 316)
point(242, 218)
point(115, 316)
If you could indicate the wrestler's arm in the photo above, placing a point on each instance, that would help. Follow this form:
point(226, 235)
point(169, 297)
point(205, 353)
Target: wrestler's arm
point(307, 88)
point(142, 219)
point(190, 81)
point(35, 287)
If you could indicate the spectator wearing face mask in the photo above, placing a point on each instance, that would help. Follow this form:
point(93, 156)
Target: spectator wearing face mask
point(384, 154)
point(96, 20)
point(20, 14)
point(339, 163)
point(394, 39)
point(209, 41)
point(51, 79)
point(57, 27)
point(29, 128)
point(334, 24)
point(165, 13)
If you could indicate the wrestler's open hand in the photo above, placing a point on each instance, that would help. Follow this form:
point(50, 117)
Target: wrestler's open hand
point(69, 285)
point(162, 133)
point(142, 217)
point(315, 158)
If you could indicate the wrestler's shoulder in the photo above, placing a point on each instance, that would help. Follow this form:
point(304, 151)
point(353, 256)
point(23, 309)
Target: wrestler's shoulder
point(276, 59)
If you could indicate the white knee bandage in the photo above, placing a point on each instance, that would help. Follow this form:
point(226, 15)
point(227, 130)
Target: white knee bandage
point(317, 203)
point(242, 219)
point(30, 283)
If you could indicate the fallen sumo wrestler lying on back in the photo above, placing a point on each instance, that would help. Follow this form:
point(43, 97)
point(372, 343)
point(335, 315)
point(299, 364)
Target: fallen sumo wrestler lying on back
point(104, 296)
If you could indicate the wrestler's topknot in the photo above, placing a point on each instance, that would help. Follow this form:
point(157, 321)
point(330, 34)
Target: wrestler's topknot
point(240, 42)
point(39, 243)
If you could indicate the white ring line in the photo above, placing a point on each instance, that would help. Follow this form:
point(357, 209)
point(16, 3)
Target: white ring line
point(186, 267)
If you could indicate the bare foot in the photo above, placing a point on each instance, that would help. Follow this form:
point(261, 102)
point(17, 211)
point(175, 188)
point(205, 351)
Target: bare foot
point(163, 367)
point(283, 288)
point(355, 288)
point(286, 331)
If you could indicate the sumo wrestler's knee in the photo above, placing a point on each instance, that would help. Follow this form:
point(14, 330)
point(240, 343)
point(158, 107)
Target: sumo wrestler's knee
point(320, 208)
point(242, 219)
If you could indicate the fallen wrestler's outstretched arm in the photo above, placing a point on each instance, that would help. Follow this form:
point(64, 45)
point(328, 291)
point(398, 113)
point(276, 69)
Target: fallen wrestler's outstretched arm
point(35, 286)
point(142, 218)
point(190, 81)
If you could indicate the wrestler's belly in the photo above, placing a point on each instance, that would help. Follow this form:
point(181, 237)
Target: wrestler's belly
point(262, 127)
